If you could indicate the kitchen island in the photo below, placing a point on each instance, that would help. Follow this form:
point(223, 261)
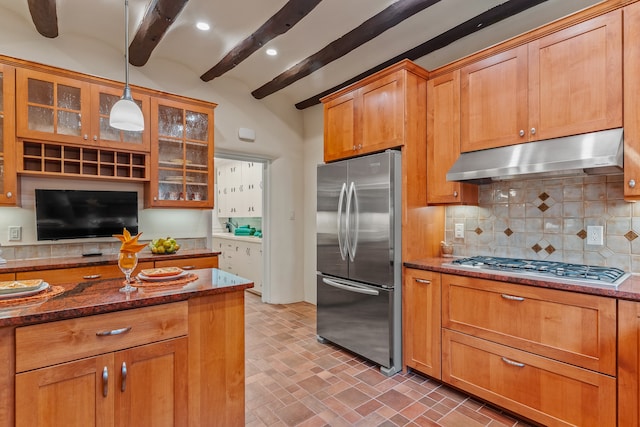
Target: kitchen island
point(170, 353)
point(556, 351)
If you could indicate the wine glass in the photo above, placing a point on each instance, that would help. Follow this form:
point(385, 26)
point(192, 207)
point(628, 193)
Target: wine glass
point(127, 261)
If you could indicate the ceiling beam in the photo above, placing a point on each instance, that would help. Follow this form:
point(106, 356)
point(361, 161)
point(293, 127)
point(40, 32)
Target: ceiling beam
point(156, 22)
point(290, 14)
point(44, 16)
point(368, 30)
point(477, 23)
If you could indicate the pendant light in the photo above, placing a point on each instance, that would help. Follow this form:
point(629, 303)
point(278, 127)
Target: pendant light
point(125, 114)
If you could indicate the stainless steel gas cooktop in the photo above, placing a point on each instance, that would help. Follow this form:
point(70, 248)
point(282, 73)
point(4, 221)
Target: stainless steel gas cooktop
point(549, 270)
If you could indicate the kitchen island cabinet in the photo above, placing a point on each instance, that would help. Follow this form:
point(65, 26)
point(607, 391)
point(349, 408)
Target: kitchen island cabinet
point(566, 83)
point(184, 353)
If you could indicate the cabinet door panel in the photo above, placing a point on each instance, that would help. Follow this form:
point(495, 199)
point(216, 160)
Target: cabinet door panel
point(421, 318)
point(340, 117)
point(51, 107)
point(632, 103)
point(8, 176)
point(628, 363)
point(493, 101)
point(382, 114)
point(575, 79)
point(152, 385)
point(72, 394)
point(443, 141)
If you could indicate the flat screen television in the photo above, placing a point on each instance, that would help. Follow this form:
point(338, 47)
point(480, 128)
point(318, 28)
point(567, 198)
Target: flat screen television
point(76, 214)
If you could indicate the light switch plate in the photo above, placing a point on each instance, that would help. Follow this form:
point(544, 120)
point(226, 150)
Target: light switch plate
point(595, 235)
point(15, 233)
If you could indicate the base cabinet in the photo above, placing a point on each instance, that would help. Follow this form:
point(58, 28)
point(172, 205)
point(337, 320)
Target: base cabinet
point(241, 258)
point(628, 363)
point(421, 318)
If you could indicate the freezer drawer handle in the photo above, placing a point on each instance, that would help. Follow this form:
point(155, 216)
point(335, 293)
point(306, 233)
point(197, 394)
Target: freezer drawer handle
point(350, 288)
point(512, 363)
point(423, 281)
point(512, 298)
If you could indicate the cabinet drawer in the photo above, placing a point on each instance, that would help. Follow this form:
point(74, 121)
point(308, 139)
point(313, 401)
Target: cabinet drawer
point(190, 263)
point(73, 339)
point(7, 276)
point(571, 327)
point(78, 274)
point(541, 389)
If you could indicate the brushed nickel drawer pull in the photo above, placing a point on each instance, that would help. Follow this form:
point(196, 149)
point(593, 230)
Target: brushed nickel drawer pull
point(190, 267)
point(91, 276)
point(105, 381)
point(512, 363)
point(113, 332)
point(512, 298)
point(424, 281)
point(123, 387)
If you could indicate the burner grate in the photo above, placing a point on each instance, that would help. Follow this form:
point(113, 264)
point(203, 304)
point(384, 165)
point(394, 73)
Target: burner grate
point(561, 270)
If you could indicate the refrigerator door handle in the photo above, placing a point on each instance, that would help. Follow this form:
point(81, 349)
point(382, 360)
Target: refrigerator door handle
point(350, 288)
point(342, 243)
point(352, 233)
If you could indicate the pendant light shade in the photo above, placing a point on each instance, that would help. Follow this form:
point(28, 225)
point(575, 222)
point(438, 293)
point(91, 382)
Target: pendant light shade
point(125, 114)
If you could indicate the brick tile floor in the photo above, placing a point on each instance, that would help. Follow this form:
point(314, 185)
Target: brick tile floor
point(292, 380)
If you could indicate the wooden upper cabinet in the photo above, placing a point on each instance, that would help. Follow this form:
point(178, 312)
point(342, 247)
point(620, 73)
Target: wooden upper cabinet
point(632, 102)
point(575, 79)
point(372, 115)
point(52, 107)
point(443, 142)
point(566, 83)
point(8, 174)
point(182, 154)
point(493, 101)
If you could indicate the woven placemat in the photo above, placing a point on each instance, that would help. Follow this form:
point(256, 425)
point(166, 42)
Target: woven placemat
point(51, 291)
point(177, 283)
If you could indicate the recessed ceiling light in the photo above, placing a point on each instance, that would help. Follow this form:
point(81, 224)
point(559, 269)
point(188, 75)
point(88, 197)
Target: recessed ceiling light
point(272, 52)
point(202, 26)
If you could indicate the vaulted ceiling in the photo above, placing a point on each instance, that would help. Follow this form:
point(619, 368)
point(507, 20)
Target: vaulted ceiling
point(322, 45)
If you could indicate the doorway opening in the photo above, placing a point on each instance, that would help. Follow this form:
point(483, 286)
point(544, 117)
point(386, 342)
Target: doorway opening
point(239, 218)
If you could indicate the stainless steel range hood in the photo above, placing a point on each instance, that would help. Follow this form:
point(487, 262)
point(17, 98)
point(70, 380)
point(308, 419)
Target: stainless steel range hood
point(597, 153)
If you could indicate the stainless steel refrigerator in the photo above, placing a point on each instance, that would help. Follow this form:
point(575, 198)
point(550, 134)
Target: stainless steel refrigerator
point(359, 257)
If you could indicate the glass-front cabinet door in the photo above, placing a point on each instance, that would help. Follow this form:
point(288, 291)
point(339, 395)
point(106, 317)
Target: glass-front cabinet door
point(102, 100)
point(51, 107)
point(8, 177)
point(181, 155)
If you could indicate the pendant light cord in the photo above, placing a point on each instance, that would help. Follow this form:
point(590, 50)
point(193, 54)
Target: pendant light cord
point(126, 44)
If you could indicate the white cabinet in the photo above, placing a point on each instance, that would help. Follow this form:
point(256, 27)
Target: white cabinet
point(241, 256)
point(239, 189)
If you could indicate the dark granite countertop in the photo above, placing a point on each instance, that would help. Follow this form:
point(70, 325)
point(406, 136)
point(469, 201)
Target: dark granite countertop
point(102, 296)
point(86, 261)
point(629, 289)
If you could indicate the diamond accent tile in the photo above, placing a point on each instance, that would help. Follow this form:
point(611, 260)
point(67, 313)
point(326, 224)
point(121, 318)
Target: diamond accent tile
point(543, 196)
point(508, 231)
point(478, 230)
point(550, 249)
point(536, 248)
point(543, 207)
point(582, 234)
point(631, 235)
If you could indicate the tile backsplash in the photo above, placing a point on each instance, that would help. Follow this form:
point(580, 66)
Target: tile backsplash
point(548, 219)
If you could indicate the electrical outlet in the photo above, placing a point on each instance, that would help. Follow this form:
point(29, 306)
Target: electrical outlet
point(595, 235)
point(458, 231)
point(15, 233)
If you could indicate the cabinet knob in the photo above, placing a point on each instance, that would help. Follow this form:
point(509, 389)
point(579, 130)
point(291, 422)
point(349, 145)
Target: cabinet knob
point(95, 137)
point(359, 146)
point(354, 147)
point(521, 132)
point(9, 194)
point(533, 131)
point(85, 137)
point(632, 183)
point(455, 194)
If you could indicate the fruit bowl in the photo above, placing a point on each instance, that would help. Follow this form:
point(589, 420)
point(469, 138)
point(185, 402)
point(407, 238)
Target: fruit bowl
point(164, 246)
